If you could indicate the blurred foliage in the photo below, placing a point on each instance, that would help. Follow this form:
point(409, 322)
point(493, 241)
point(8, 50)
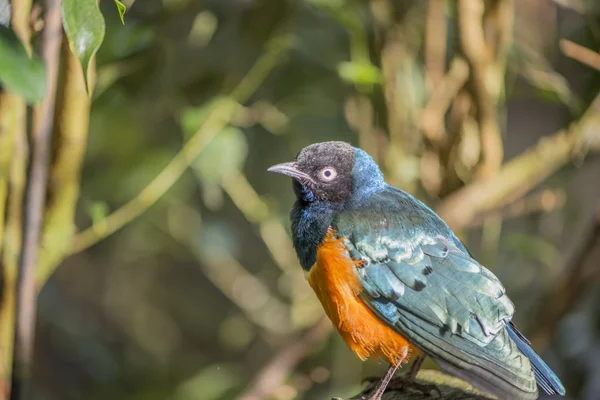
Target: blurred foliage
point(19, 73)
point(200, 289)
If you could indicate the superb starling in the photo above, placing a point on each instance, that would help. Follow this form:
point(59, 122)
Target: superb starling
point(396, 281)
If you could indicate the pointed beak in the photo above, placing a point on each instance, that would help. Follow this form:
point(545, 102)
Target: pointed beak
point(290, 169)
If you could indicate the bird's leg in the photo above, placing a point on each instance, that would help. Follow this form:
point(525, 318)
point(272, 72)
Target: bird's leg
point(383, 383)
point(415, 367)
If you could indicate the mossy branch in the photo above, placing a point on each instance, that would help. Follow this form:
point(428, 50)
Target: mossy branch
point(69, 144)
point(35, 198)
point(8, 108)
point(450, 388)
point(13, 165)
point(12, 178)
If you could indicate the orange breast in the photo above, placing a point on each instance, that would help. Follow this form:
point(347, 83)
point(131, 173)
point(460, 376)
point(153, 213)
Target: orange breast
point(337, 287)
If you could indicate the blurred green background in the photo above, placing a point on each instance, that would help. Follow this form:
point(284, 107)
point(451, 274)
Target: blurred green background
point(192, 299)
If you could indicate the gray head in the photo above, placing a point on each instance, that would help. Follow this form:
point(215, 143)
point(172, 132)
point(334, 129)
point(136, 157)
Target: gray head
point(331, 172)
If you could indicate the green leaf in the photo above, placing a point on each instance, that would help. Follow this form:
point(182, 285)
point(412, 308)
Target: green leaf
point(84, 26)
point(121, 7)
point(359, 73)
point(19, 73)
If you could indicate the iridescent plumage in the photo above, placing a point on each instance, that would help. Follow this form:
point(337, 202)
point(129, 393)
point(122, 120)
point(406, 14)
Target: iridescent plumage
point(395, 257)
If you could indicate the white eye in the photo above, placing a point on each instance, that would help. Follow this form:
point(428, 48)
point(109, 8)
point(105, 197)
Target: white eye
point(328, 174)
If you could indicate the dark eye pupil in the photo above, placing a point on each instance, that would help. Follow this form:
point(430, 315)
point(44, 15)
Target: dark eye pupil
point(327, 173)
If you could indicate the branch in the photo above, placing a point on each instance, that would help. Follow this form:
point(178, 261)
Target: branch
point(69, 142)
point(450, 387)
point(435, 42)
point(486, 81)
point(12, 181)
point(432, 117)
point(13, 233)
point(276, 371)
point(544, 201)
point(35, 196)
point(8, 120)
point(522, 173)
point(221, 115)
point(13, 113)
point(580, 53)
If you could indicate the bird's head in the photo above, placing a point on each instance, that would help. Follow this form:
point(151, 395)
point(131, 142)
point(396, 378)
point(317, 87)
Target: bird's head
point(331, 172)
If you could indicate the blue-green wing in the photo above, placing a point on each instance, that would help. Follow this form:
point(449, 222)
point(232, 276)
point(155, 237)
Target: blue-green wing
point(418, 277)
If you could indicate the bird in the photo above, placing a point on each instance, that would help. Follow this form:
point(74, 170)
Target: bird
point(398, 284)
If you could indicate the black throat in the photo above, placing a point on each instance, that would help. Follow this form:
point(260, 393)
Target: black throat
point(310, 221)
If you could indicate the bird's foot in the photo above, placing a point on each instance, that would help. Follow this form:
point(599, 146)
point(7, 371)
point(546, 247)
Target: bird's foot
point(405, 384)
point(371, 392)
point(400, 384)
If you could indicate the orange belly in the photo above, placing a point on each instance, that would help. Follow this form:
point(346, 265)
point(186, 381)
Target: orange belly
point(335, 283)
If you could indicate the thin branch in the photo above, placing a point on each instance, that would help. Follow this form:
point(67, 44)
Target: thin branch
point(432, 117)
point(580, 53)
point(35, 197)
point(276, 371)
point(544, 201)
point(221, 115)
point(435, 42)
point(522, 173)
point(483, 74)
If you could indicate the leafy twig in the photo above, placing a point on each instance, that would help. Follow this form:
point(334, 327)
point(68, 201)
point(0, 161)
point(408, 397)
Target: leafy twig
point(35, 197)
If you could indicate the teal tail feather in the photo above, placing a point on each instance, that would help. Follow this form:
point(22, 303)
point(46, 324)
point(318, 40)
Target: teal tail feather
point(545, 377)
